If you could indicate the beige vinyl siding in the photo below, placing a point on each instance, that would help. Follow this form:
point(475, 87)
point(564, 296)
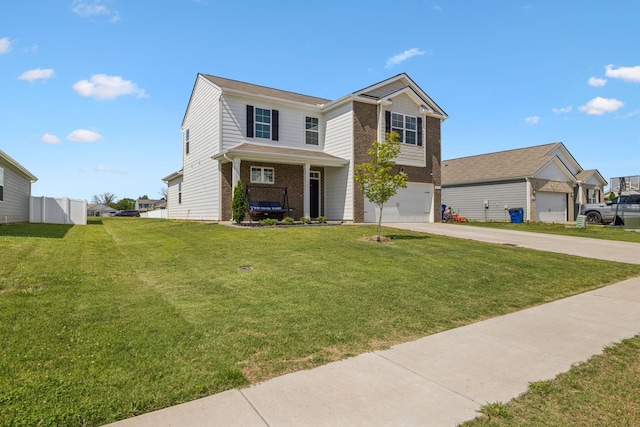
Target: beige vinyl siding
point(552, 172)
point(469, 200)
point(175, 210)
point(291, 128)
point(339, 181)
point(201, 185)
point(410, 155)
point(17, 190)
point(389, 88)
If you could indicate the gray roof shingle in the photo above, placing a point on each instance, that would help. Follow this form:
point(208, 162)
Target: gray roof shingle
point(500, 166)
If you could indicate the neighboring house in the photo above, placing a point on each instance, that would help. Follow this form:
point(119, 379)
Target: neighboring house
point(545, 181)
point(99, 210)
point(273, 140)
point(144, 205)
point(15, 190)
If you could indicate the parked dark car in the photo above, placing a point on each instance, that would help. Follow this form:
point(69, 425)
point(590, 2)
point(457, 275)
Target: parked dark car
point(127, 213)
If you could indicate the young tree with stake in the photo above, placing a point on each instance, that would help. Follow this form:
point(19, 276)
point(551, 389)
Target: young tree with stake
point(378, 182)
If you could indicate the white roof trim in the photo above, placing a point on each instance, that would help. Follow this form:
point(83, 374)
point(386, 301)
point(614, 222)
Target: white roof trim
point(7, 159)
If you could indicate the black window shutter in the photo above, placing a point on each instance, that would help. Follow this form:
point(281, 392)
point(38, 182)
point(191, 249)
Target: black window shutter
point(249, 121)
point(274, 124)
point(419, 131)
point(387, 121)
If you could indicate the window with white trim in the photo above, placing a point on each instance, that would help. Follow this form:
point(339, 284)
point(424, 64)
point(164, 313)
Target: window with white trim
point(311, 130)
point(262, 175)
point(263, 123)
point(406, 127)
point(1, 185)
point(592, 195)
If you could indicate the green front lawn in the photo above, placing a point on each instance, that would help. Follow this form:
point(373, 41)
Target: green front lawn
point(592, 231)
point(127, 315)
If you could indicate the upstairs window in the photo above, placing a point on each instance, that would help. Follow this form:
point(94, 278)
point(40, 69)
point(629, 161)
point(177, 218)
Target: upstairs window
point(408, 128)
point(405, 126)
point(262, 123)
point(186, 141)
point(311, 130)
point(262, 175)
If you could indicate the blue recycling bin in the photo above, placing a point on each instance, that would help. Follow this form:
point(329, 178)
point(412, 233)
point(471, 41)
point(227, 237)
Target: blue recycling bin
point(516, 215)
point(444, 209)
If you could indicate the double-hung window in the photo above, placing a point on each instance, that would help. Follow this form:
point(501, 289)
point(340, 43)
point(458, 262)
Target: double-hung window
point(1, 184)
point(311, 130)
point(262, 175)
point(406, 127)
point(263, 123)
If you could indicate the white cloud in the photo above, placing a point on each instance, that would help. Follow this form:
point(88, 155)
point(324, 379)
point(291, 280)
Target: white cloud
point(102, 86)
point(36, 74)
point(563, 110)
point(47, 138)
point(533, 120)
point(401, 57)
point(596, 82)
point(598, 106)
point(628, 74)
point(85, 9)
point(107, 169)
point(83, 135)
point(5, 45)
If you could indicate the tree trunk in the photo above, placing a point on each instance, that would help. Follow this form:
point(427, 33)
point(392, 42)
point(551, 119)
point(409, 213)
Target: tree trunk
point(379, 222)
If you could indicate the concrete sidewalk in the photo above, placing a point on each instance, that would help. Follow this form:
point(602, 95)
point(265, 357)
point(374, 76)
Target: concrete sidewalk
point(442, 379)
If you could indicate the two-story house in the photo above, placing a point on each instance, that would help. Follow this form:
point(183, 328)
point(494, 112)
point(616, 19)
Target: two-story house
point(278, 142)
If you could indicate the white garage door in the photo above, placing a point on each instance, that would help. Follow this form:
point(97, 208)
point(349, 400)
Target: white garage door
point(411, 204)
point(551, 207)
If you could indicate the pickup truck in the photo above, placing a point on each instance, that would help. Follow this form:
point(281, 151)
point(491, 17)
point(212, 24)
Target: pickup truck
point(604, 213)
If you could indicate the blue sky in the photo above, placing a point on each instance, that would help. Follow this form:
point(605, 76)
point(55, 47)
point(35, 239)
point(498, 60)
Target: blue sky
point(93, 91)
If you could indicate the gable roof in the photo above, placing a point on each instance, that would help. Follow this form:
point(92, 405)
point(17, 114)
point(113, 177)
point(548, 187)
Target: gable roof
point(4, 157)
point(586, 175)
point(228, 85)
point(385, 90)
point(519, 163)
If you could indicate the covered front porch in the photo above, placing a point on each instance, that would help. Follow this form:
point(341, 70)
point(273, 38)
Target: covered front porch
point(268, 170)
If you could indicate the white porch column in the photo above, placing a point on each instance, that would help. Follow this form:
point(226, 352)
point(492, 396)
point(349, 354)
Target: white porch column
point(235, 173)
point(307, 185)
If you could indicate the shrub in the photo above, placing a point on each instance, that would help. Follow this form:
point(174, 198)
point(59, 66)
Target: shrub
point(238, 204)
point(287, 220)
point(322, 219)
point(268, 222)
point(305, 220)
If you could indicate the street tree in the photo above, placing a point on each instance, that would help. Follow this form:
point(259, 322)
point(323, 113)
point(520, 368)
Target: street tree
point(378, 181)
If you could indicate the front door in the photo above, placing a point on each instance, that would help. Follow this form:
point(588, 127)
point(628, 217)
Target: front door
point(314, 194)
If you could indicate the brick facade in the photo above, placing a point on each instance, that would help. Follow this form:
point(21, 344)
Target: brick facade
point(365, 131)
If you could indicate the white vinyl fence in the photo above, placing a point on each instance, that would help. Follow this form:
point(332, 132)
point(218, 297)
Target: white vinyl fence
point(51, 210)
point(157, 213)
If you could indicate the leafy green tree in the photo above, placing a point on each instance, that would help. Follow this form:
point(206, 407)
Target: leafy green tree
point(124, 204)
point(238, 204)
point(378, 181)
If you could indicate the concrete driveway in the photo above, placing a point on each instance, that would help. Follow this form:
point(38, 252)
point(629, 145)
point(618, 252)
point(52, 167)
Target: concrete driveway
point(607, 250)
